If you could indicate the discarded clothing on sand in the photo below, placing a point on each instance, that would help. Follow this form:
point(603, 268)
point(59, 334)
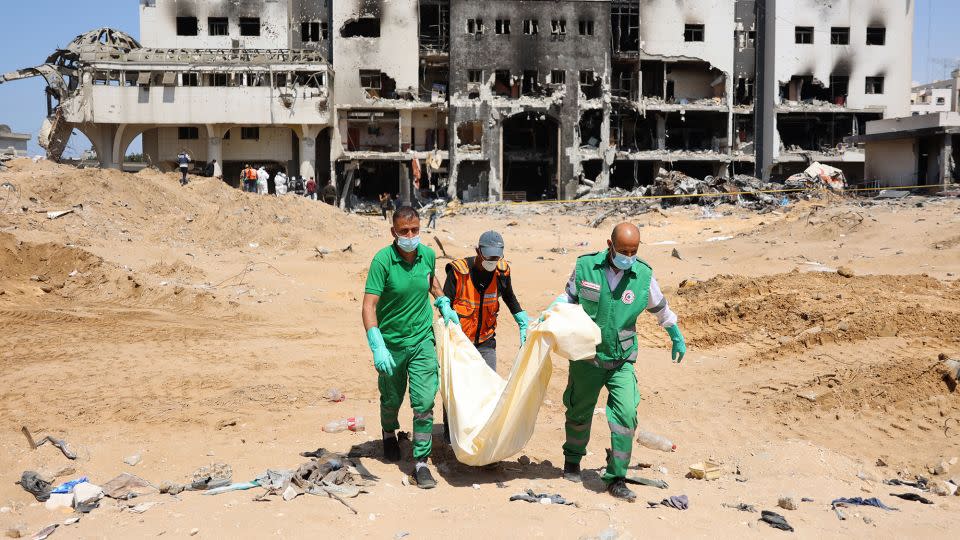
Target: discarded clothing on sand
point(860, 501)
point(532, 497)
point(67, 487)
point(912, 497)
point(743, 507)
point(775, 520)
point(35, 485)
point(680, 502)
point(920, 484)
point(127, 486)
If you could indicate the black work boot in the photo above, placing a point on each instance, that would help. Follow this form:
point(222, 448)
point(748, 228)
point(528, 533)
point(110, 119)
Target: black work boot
point(618, 488)
point(424, 478)
point(571, 472)
point(391, 446)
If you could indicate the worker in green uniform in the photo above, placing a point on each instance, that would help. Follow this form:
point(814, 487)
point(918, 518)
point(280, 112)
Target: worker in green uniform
point(614, 287)
point(399, 323)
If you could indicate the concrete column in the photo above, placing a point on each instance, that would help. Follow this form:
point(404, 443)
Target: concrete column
point(661, 131)
point(215, 148)
point(105, 139)
point(308, 150)
point(946, 160)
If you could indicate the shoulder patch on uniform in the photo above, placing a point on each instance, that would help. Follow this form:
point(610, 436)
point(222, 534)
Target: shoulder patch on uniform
point(645, 263)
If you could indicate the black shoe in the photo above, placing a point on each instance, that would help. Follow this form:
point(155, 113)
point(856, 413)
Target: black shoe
point(618, 488)
point(424, 478)
point(571, 472)
point(391, 448)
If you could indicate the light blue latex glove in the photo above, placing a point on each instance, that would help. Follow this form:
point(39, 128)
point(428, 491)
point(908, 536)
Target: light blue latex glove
point(382, 359)
point(447, 312)
point(562, 299)
point(679, 345)
point(521, 318)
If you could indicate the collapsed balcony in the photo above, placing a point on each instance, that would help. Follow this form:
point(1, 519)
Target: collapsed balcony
point(682, 83)
point(806, 92)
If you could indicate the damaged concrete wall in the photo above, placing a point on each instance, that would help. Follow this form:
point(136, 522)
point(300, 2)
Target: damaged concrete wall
point(662, 26)
point(555, 47)
point(273, 145)
point(158, 24)
point(395, 53)
point(894, 162)
point(821, 59)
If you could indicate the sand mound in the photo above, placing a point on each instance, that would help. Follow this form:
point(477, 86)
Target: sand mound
point(788, 312)
point(29, 270)
point(152, 206)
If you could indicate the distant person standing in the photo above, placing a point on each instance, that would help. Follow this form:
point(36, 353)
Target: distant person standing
point(386, 204)
point(280, 184)
point(312, 189)
point(249, 178)
point(209, 170)
point(263, 178)
point(432, 214)
point(183, 159)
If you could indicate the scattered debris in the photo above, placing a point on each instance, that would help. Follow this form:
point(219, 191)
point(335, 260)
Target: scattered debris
point(59, 443)
point(142, 507)
point(542, 498)
point(334, 395)
point(892, 194)
point(706, 470)
point(43, 533)
point(133, 460)
point(920, 484)
point(676, 254)
point(127, 486)
point(67, 487)
point(775, 520)
point(227, 423)
point(844, 271)
point(743, 507)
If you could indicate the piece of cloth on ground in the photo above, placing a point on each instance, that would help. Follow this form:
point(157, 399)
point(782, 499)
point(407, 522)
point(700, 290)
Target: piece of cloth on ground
point(860, 501)
point(646, 482)
point(491, 419)
point(775, 520)
point(127, 486)
point(532, 497)
point(912, 497)
point(920, 484)
point(32, 482)
point(67, 487)
point(680, 502)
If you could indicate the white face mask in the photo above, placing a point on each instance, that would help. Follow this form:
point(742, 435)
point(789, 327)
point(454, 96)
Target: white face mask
point(489, 266)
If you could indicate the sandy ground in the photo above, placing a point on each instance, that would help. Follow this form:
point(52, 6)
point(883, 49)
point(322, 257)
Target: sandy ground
point(153, 315)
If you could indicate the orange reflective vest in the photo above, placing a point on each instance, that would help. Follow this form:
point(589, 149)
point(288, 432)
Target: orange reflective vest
point(477, 310)
point(250, 174)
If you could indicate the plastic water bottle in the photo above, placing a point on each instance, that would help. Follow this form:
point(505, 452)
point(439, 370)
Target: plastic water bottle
point(353, 424)
point(655, 442)
point(334, 395)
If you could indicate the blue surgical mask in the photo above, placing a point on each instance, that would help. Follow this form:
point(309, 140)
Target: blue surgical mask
point(408, 245)
point(622, 261)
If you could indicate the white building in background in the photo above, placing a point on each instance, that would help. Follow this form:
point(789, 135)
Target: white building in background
point(498, 99)
point(936, 97)
point(10, 142)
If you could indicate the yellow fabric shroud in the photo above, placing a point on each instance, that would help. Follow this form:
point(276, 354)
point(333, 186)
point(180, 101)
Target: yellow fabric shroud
point(491, 419)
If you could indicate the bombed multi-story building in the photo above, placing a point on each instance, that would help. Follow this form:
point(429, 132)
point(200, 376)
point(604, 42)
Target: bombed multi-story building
point(504, 99)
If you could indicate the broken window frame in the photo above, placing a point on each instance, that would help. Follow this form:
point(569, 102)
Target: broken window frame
point(625, 27)
point(434, 37)
point(876, 35)
point(188, 26)
point(585, 27)
point(558, 27)
point(313, 31)
point(475, 76)
point(250, 26)
point(218, 26)
point(839, 35)
point(502, 27)
point(504, 78)
point(874, 85)
point(188, 133)
point(531, 27)
point(838, 83)
point(475, 26)
point(189, 78)
point(362, 27)
point(558, 76)
point(250, 133)
point(803, 35)
point(529, 82)
point(219, 79)
point(694, 33)
point(313, 79)
point(746, 39)
point(371, 79)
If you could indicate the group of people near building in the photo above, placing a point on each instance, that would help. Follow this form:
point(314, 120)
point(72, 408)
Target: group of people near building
point(613, 286)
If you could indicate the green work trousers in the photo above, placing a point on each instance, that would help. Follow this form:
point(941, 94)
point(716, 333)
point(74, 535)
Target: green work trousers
point(584, 383)
point(419, 363)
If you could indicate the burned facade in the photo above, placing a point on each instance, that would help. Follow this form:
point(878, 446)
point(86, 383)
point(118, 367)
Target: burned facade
point(505, 99)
